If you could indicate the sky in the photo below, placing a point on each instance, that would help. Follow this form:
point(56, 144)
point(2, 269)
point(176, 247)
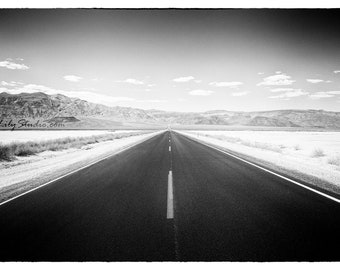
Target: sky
point(175, 60)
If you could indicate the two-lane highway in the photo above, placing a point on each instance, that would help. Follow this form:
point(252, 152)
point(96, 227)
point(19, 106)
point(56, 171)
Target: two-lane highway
point(222, 209)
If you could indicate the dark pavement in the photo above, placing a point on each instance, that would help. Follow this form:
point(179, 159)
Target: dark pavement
point(224, 209)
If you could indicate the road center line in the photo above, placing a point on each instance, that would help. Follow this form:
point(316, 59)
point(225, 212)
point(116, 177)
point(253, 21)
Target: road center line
point(169, 148)
point(170, 204)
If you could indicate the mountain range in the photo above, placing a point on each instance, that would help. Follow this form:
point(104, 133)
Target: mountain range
point(79, 113)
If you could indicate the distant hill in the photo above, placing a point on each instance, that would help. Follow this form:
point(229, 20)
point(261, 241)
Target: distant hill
point(40, 105)
point(82, 114)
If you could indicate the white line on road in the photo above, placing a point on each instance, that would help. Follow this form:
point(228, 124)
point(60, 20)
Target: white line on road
point(169, 148)
point(170, 204)
point(269, 171)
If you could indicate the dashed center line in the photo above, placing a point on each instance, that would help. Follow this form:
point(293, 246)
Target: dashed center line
point(170, 204)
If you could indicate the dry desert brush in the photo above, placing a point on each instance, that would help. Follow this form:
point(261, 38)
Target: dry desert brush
point(10, 151)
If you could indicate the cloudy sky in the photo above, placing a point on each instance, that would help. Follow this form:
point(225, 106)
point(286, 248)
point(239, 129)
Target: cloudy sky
point(178, 60)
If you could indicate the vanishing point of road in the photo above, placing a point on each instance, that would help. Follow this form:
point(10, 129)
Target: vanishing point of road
point(170, 198)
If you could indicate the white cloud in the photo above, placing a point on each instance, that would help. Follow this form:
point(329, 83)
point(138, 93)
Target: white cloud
point(283, 89)
point(291, 94)
point(151, 85)
point(318, 95)
point(97, 98)
point(32, 88)
point(3, 83)
point(260, 73)
point(239, 94)
point(336, 71)
point(279, 79)
point(84, 95)
point(72, 78)
point(226, 84)
point(278, 72)
point(11, 83)
point(151, 100)
point(184, 79)
point(148, 90)
point(11, 65)
point(324, 94)
point(314, 80)
point(131, 81)
point(200, 92)
point(198, 81)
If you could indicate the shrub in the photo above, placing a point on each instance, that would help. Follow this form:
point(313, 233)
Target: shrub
point(334, 160)
point(25, 149)
point(260, 145)
point(318, 153)
point(5, 153)
point(263, 146)
point(297, 147)
point(53, 147)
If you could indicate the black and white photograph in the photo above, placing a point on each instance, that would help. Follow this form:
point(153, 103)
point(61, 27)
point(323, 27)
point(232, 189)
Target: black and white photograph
point(169, 134)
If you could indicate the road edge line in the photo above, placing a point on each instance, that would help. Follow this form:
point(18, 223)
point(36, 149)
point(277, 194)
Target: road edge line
point(267, 170)
point(76, 170)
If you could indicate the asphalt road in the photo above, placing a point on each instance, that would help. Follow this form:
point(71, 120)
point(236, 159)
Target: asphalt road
point(224, 210)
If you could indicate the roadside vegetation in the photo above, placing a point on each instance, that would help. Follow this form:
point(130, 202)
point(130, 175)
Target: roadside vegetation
point(318, 153)
point(334, 160)
point(260, 145)
point(18, 149)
